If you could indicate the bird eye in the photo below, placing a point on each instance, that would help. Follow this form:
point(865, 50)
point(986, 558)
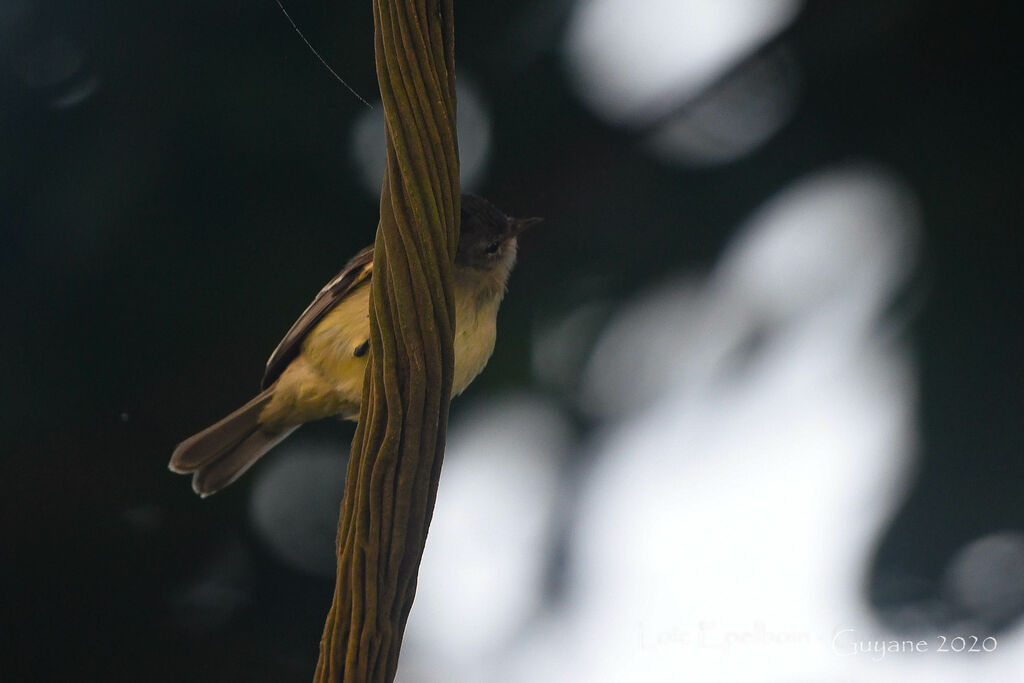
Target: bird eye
point(493, 247)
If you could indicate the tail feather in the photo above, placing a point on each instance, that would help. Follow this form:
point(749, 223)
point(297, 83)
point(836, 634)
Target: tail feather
point(222, 452)
point(224, 470)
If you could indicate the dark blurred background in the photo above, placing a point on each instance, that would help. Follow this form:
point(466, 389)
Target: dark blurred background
point(178, 179)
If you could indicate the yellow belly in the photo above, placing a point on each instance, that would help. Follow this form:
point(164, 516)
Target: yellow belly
point(327, 377)
point(475, 329)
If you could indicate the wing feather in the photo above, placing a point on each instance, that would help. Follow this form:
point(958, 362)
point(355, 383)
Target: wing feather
point(355, 272)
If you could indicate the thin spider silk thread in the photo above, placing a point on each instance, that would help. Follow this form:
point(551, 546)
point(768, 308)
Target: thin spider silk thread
point(322, 60)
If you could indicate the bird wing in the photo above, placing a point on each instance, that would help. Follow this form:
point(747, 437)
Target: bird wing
point(355, 272)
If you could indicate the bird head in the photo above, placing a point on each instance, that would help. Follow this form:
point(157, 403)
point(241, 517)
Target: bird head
point(488, 237)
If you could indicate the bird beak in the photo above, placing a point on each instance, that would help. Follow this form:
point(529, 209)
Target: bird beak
point(520, 225)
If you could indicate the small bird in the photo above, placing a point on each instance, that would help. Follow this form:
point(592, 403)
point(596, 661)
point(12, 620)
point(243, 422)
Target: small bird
point(317, 369)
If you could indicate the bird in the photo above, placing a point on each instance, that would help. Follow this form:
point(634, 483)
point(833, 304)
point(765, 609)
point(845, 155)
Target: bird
point(317, 369)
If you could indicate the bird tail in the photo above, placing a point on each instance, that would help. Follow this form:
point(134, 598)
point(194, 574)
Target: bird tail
point(222, 452)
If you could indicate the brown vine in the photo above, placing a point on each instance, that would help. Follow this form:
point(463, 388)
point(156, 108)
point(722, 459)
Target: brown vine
point(399, 442)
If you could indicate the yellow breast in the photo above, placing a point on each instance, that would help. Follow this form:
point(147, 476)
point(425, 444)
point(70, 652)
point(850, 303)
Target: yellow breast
point(475, 330)
point(327, 377)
